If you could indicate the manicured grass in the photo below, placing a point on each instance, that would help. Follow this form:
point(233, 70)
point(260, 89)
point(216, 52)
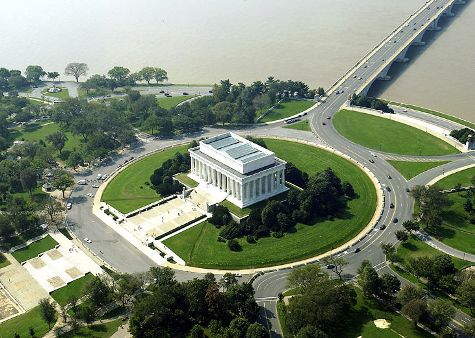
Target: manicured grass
point(198, 246)
point(62, 95)
point(414, 247)
point(39, 132)
point(185, 180)
point(436, 113)
point(456, 230)
point(412, 169)
point(76, 288)
point(37, 195)
point(128, 191)
point(285, 109)
point(463, 177)
point(171, 102)
point(388, 136)
point(34, 249)
point(302, 125)
point(104, 330)
point(3, 261)
point(21, 325)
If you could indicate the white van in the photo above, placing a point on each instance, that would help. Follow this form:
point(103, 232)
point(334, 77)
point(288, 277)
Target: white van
point(82, 182)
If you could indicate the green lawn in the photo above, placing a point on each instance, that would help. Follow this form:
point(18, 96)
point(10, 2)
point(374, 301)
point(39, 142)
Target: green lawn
point(389, 136)
point(128, 191)
point(21, 325)
point(62, 95)
point(412, 169)
point(76, 287)
point(463, 177)
point(185, 180)
point(3, 261)
point(96, 331)
point(171, 102)
point(39, 132)
point(302, 125)
point(436, 113)
point(34, 249)
point(414, 247)
point(198, 246)
point(285, 109)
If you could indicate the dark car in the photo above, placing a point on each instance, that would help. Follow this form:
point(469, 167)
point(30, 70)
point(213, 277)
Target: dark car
point(371, 160)
point(324, 123)
point(330, 266)
point(382, 227)
point(395, 220)
point(357, 250)
point(388, 188)
point(391, 205)
point(389, 177)
point(185, 93)
point(162, 91)
point(329, 117)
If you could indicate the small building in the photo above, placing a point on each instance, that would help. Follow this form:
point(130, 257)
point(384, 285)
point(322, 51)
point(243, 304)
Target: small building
point(247, 172)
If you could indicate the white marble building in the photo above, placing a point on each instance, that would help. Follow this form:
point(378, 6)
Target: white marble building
point(247, 172)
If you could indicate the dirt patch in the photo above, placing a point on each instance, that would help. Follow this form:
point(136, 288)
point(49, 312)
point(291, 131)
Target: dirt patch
point(7, 308)
point(74, 272)
point(56, 282)
point(382, 324)
point(54, 254)
point(37, 263)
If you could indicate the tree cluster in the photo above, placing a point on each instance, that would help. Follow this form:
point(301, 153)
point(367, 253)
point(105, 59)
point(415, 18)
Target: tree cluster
point(173, 309)
point(324, 196)
point(12, 81)
point(370, 102)
point(384, 288)
point(431, 204)
point(462, 134)
point(469, 205)
point(162, 178)
point(439, 271)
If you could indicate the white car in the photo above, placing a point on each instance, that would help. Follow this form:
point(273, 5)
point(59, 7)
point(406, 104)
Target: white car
point(87, 240)
point(69, 206)
point(95, 186)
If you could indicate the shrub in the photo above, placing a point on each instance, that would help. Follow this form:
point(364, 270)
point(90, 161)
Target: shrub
point(233, 245)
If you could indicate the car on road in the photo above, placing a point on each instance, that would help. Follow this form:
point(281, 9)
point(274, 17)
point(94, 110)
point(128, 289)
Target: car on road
point(382, 227)
point(357, 250)
point(329, 117)
point(395, 220)
point(330, 266)
point(324, 123)
point(389, 177)
point(360, 78)
point(374, 155)
point(69, 206)
point(99, 177)
point(95, 186)
point(185, 93)
point(82, 182)
point(388, 188)
point(391, 205)
point(371, 160)
point(408, 190)
point(354, 76)
point(87, 240)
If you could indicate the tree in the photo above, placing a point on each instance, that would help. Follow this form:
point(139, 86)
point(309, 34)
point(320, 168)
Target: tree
point(466, 294)
point(310, 331)
point(197, 331)
point(228, 280)
point(338, 264)
point(160, 75)
point(52, 208)
point(87, 314)
point(151, 123)
point(238, 327)
point(52, 75)
point(256, 330)
point(410, 226)
point(76, 69)
point(415, 309)
point(402, 236)
point(409, 293)
point(389, 250)
point(48, 313)
point(162, 276)
point(58, 140)
point(369, 281)
point(74, 160)
point(224, 112)
point(34, 73)
point(441, 312)
point(431, 202)
point(320, 91)
point(119, 74)
point(99, 292)
point(304, 277)
point(127, 286)
point(63, 180)
point(28, 179)
point(147, 74)
point(390, 286)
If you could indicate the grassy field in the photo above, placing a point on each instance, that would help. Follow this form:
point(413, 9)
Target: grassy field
point(412, 169)
point(128, 191)
point(39, 132)
point(3, 261)
point(34, 249)
point(436, 113)
point(389, 136)
point(21, 325)
point(171, 102)
point(76, 287)
point(96, 331)
point(184, 179)
point(302, 125)
point(285, 109)
point(463, 177)
point(62, 95)
point(198, 246)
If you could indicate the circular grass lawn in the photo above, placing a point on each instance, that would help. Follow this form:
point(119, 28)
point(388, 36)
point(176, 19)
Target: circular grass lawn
point(128, 190)
point(389, 136)
point(199, 247)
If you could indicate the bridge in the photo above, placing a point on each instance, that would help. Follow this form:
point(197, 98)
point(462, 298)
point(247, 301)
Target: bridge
point(376, 64)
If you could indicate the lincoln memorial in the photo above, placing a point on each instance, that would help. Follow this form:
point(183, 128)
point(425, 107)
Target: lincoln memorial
point(247, 172)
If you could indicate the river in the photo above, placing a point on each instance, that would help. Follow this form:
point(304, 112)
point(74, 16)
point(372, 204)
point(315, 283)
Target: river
point(203, 41)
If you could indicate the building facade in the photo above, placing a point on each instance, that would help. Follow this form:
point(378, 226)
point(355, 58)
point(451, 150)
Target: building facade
point(247, 172)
